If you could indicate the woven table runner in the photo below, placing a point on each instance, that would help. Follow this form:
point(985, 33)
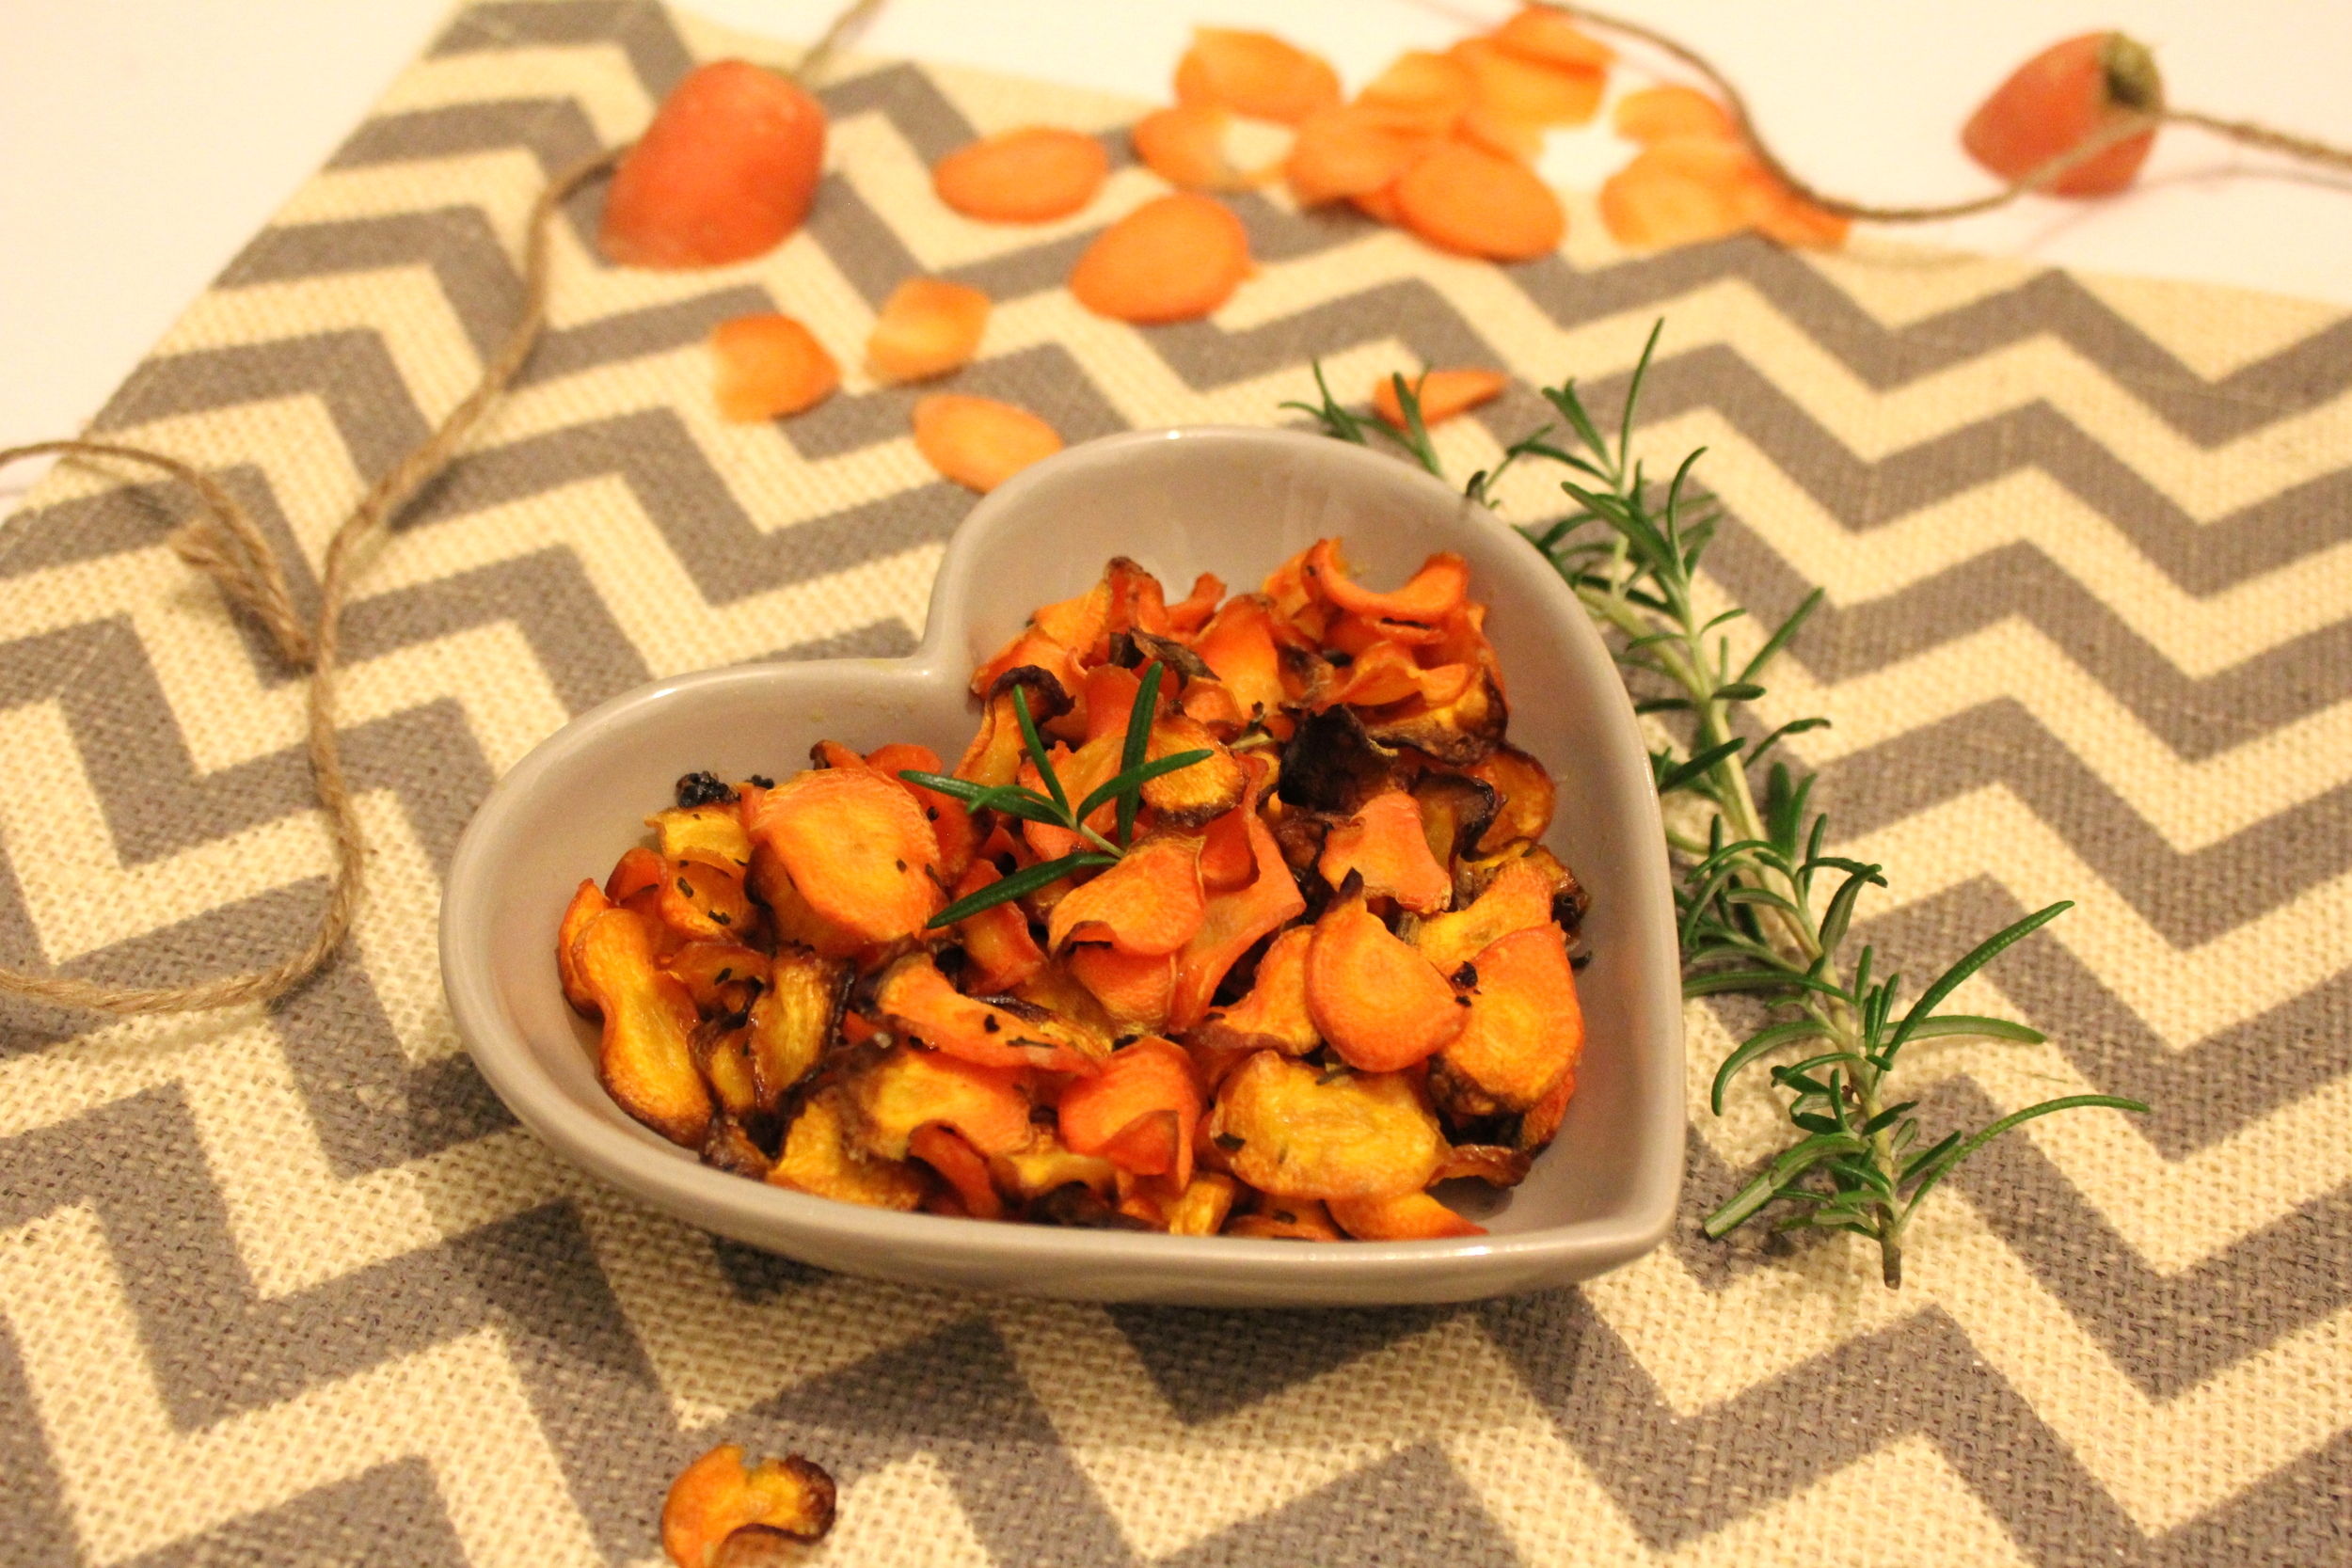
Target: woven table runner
point(288, 1285)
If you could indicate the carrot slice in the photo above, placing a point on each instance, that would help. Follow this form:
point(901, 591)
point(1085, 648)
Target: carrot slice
point(980, 442)
point(1000, 951)
point(1465, 199)
point(951, 823)
point(1347, 152)
point(928, 327)
point(769, 366)
point(1238, 644)
point(1005, 1033)
point(1385, 673)
point(1654, 114)
point(726, 170)
point(792, 1022)
point(1443, 394)
point(1307, 1132)
point(1226, 860)
point(1147, 1080)
point(1528, 795)
point(1542, 1123)
point(1138, 603)
point(1207, 1198)
point(857, 848)
point(1420, 92)
point(1190, 614)
point(1272, 1218)
point(1520, 897)
point(1540, 33)
point(1430, 596)
point(1379, 205)
point(1148, 905)
point(1256, 74)
point(1536, 91)
point(721, 1496)
point(645, 1060)
point(1034, 174)
point(1678, 190)
point(1134, 991)
point(1401, 1217)
point(1184, 145)
point(1524, 1029)
point(961, 1166)
point(2059, 98)
point(1232, 922)
point(891, 1093)
point(1195, 796)
point(1520, 140)
point(588, 901)
point(723, 977)
point(1378, 1002)
point(1171, 260)
point(1274, 1016)
point(1384, 844)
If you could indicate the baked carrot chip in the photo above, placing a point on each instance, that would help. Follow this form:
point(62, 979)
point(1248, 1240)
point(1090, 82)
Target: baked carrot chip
point(1428, 599)
point(1232, 922)
point(724, 1512)
point(793, 1020)
point(1295, 1130)
point(1385, 846)
point(915, 997)
point(1274, 1016)
point(1518, 898)
point(588, 902)
point(1400, 1217)
point(1148, 905)
point(890, 1094)
point(1375, 999)
point(1138, 1112)
point(998, 949)
point(646, 1061)
point(857, 847)
point(823, 1157)
point(961, 1166)
point(1134, 991)
point(1524, 1029)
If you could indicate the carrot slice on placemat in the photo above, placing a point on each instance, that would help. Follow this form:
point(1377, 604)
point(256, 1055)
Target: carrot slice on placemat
point(1520, 88)
point(1347, 152)
point(1540, 33)
point(769, 366)
point(1443, 394)
point(1184, 145)
point(1032, 175)
point(1678, 191)
point(980, 442)
point(928, 327)
point(721, 1500)
point(1465, 199)
point(1420, 92)
point(1521, 140)
point(1255, 73)
point(1171, 260)
point(1653, 114)
point(727, 168)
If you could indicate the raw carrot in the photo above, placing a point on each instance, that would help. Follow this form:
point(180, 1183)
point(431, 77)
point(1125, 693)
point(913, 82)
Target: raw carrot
point(1443, 394)
point(1171, 260)
point(1536, 91)
point(1347, 152)
point(1420, 92)
point(1465, 199)
point(980, 442)
point(928, 327)
point(2062, 96)
point(1184, 145)
point(1678, 190)
point(1540, 33)
point(1653, 114)
point(727, 168)
point(1256, 74)
point(1034, 174)
point(769, 366)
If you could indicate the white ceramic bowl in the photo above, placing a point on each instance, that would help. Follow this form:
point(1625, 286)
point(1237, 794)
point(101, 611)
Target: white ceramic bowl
point(1234, 501)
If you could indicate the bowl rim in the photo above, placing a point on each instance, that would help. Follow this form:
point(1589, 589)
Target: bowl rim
point(719, 1200)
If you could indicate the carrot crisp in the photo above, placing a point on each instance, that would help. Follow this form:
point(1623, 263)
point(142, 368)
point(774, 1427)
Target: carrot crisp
point(1232, 918)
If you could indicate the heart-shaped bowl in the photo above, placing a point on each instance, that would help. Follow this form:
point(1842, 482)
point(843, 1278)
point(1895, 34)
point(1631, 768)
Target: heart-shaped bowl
point(1234, 501)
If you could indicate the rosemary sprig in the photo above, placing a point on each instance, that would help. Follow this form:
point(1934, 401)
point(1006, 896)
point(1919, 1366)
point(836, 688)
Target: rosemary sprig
point(1054, 808)
point(1764, 910)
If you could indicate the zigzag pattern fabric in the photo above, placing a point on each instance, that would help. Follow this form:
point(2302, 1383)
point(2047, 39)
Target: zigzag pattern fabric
point(288, 1286)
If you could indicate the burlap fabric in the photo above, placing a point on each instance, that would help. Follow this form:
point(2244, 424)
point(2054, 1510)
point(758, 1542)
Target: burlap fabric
point(288, 1286)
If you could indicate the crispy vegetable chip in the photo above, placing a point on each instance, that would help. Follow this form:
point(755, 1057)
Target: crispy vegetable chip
point(1203, 1205)
point(1148, 905)
point(646, 1059)
point(1004, 1032)
point(961, 1166)
point(1378, 1003)
point(1524, 1030)
point(1304, 1131)
point(1517, 898)
point(822, 1157)
point(1401, 1217)
point(1274, 1016)
point(587, 903)
point(1133, 991)
point(719, 1496)
point(792, 1020)
point(1384, 846)
point(892, 1093)
point(1232, 922)
point(857, 847)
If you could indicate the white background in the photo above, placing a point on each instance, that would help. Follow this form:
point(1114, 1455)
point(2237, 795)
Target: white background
point(143, 141)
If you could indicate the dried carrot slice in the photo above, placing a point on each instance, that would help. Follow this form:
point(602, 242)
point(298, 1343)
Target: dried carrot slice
point(1400, 1217)
point(769, 366)
point(722, 976)
point(1457, 733)
point(1184, 145)
point(1375, 999)
point(726, 170)
point(1004, 1032)
point(1238, 644)
point(1271, 1218)
point(1518, 898)
point(857, 847)
point(1034, 174)
point(951, 824)
point(1201, 1210)
point(1540, 33)
point(1148, 1081)
point(928, 327)
point(1527, 793)
point(1138, 602)
point(720, 1498)
point(1542, 1123)
point(1256, 74)
point(1385, 673)
point(997, 945)
point(588, 901)
point(1232, 922)
point(1520, 140)
point(645, 1060)
point(1384, 846)
point(1307, 1132)
point(1174, 259)
point(1443, 394)
point(1455, 810)
point(1347, 152)
point(1420, 92)
point(900, 1090)
point(1032, 649)
point(980, 442)
point(1536, 91)
point(1524, 1030)
point(822, 1157)
point(2060, 98)
point(1678, 190)
point(1195, 796)
point(1190, 614)
point(1226, 860)
point(1429, 597)
point(1211, 704)
point(1465, 199)
point(1134, 991)
point(1654, 114)
point(792, 1022)
point(791, 916)
point(1274, 1016)
point(961, 1166)
point(1148, 905)
point(712, 834)
point(1108, 699)
point(701, 902)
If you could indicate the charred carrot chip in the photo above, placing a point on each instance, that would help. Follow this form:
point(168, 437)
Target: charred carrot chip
point(998, 949)
point(588, 902)
point(1148, 1081)
point(857, 847)
point(792, 1020)
point(1420, 92)
point(769, 366)
point(723, 1057)
point(1134, 991)
point(1032, 175)
point(822, 1157)
point(1057, 991)
point(1006, 1033)
point(895, 1091)
point(1430, 596)
point(646, 1059)
point(1195, 796)
point(1378, 1002)
point(1518, 899)
point(1256, 74)
point(2060, 99)
point(722, 976)
point(1384, 844)
point(1525, 1028)
point(980, 442)
point(1443, 394)
point(727, 168)
point(1274, 1016)
point(1458, 733)
point(1238, 644)
point(1473, 876)
point(1032, 649)
point(928, 327)
point(1401, 1217)
point(1527, 795)
point(1540, 33)
point(1492, 1164)
point(720, 1506)
point(1465, 199)
point(1202, 1209)
point(1455, 810)
point(1305, 1132)
point(1346, 152)
point(1232, 922)
point(1148, 905)
point(1190, 614)
point(1537, 91)
point(1175, 259)
point(1654, 114)
point(961, 1166)
point(1184, 145)
point(1678, 190)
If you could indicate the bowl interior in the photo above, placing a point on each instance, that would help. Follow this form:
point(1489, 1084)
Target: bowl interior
point(1233, 502)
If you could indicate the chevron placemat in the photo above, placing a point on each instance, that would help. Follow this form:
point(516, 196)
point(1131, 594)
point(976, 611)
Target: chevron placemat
point(289, 1287)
